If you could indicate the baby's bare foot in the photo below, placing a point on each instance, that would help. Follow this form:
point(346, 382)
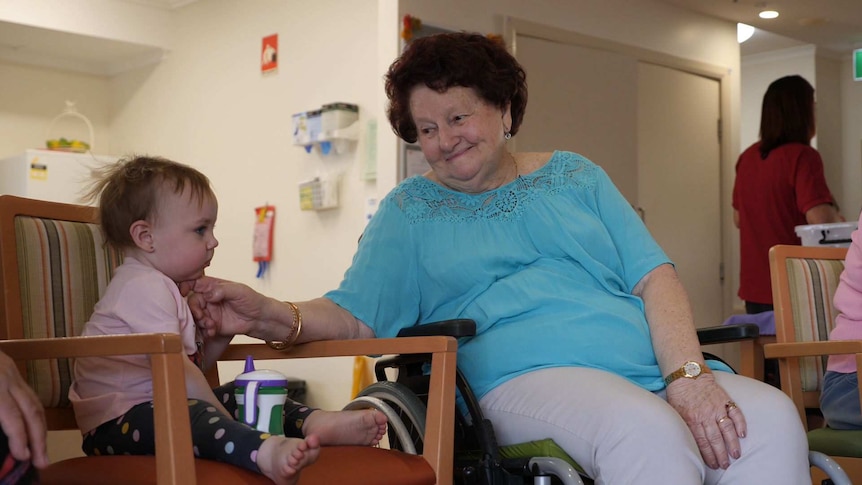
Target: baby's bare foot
point(281, 459)
point(358, 427)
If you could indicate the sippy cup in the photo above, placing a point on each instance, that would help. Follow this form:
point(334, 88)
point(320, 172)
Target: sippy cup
point(260, 398)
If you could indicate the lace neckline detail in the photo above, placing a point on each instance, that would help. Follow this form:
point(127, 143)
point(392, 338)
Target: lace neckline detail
point(423, 200)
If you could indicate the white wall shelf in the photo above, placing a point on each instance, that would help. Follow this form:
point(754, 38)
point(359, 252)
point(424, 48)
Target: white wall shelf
point(35, 46)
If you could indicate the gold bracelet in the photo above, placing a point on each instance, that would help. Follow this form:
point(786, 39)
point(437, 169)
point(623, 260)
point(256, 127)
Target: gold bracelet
point(295, 330)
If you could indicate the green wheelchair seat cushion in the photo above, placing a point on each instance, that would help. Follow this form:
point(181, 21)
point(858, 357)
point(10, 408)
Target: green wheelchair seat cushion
point(546, 447)
point(836, 442)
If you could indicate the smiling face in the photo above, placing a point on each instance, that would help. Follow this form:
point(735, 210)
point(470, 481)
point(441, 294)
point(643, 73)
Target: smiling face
point(462, 137)
point(179, 241)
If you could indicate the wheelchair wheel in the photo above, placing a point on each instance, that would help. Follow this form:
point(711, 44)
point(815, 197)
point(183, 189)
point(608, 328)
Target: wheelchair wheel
point(409, 408)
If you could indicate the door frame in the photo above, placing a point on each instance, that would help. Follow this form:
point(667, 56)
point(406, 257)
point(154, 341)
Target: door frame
point(513, 26)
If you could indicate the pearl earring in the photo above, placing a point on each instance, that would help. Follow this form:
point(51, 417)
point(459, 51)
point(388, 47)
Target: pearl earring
point(508, 135)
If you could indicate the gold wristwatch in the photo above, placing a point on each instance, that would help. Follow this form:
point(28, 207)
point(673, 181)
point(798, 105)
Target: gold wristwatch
point(689, 370)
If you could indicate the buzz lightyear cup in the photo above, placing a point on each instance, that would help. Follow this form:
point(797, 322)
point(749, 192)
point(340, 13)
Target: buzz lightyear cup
point(260, 398)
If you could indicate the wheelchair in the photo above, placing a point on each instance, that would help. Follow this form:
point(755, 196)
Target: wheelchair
point(478, 458)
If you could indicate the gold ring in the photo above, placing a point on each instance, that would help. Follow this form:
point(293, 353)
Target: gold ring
point(723, 419)
point(729, 406)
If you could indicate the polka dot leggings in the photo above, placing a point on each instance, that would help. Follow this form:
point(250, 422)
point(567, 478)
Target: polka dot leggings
point(214, 435)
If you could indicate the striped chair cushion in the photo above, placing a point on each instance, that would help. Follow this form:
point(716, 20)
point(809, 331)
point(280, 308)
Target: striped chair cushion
point(63, 268)
point(812, 285)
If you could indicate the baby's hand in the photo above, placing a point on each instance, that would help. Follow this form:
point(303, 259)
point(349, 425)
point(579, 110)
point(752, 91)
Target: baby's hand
point(186, 287)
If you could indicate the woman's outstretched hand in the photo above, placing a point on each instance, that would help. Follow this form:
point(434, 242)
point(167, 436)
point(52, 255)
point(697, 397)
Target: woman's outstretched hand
point(223, 308)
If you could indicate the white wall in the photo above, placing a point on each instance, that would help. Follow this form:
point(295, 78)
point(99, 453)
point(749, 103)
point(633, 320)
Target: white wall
point(830, 137)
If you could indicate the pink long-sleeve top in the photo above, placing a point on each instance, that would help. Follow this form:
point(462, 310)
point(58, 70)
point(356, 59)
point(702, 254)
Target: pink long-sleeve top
point(139, 299)
point(848, 303)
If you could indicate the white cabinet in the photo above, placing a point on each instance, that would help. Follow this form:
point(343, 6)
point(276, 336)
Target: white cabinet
point(49, 175)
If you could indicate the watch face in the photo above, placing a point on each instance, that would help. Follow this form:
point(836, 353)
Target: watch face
point(692, 369)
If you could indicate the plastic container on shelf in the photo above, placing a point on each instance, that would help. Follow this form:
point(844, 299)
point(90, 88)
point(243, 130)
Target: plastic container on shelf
point(306, 127)
point(335, 116)
point(335, 126)
point(836, 234)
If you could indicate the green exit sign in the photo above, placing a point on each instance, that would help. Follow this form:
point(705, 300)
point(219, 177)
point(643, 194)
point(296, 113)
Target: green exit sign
point(857, 64)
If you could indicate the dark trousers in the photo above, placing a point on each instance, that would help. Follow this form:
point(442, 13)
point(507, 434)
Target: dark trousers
point(752, 307)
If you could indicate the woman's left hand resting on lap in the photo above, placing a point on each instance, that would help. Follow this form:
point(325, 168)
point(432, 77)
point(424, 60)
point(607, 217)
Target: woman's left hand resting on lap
point(716, 426)
point(701, 402)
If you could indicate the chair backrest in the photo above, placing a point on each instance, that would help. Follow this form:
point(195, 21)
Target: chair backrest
point(804, 280)
point(54, 267)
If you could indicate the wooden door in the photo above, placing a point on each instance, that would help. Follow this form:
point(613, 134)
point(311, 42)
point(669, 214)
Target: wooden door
point(678, 178)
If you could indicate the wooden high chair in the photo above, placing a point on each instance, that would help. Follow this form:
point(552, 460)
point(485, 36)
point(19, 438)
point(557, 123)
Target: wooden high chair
point(804, 280)
point(54, 266)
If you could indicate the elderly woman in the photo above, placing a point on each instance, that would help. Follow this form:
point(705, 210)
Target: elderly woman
point(585, 334)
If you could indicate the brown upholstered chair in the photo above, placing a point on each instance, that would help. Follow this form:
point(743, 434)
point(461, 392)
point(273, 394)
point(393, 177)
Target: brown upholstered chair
point(804, 280)
point(54, 267)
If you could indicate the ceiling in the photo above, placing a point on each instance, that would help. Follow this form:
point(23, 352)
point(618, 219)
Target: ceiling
point(162, 3)
point(833, 25)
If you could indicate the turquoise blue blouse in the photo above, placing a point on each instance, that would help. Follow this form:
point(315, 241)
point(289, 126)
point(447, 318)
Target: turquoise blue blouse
point(545, 265)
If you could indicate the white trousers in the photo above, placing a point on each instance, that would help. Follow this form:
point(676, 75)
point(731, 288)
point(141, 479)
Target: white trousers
point(622, 434)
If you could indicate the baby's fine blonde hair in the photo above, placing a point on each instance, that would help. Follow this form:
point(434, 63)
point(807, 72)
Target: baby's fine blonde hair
point(129, 191)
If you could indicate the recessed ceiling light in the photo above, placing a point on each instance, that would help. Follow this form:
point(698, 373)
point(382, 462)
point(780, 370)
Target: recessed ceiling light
point(743, 32)
point(768, 14)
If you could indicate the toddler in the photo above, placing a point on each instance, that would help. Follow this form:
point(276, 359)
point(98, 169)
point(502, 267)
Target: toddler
point(161, 215)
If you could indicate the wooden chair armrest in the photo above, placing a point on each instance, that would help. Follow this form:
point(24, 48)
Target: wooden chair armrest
point(440, 418)
point(102, 345)
point(345, 348)
point(173, 429)
point(808, 349)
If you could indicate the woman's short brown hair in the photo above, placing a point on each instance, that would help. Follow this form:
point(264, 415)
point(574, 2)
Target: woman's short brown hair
point(442, 61)
point(129, 191)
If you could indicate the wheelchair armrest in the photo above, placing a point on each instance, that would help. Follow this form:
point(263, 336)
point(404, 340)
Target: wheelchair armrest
point(460, 327)
point(463, 327)
point(727, 333)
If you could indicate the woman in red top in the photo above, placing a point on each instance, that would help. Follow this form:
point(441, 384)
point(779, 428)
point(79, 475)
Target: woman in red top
point(779, 185)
